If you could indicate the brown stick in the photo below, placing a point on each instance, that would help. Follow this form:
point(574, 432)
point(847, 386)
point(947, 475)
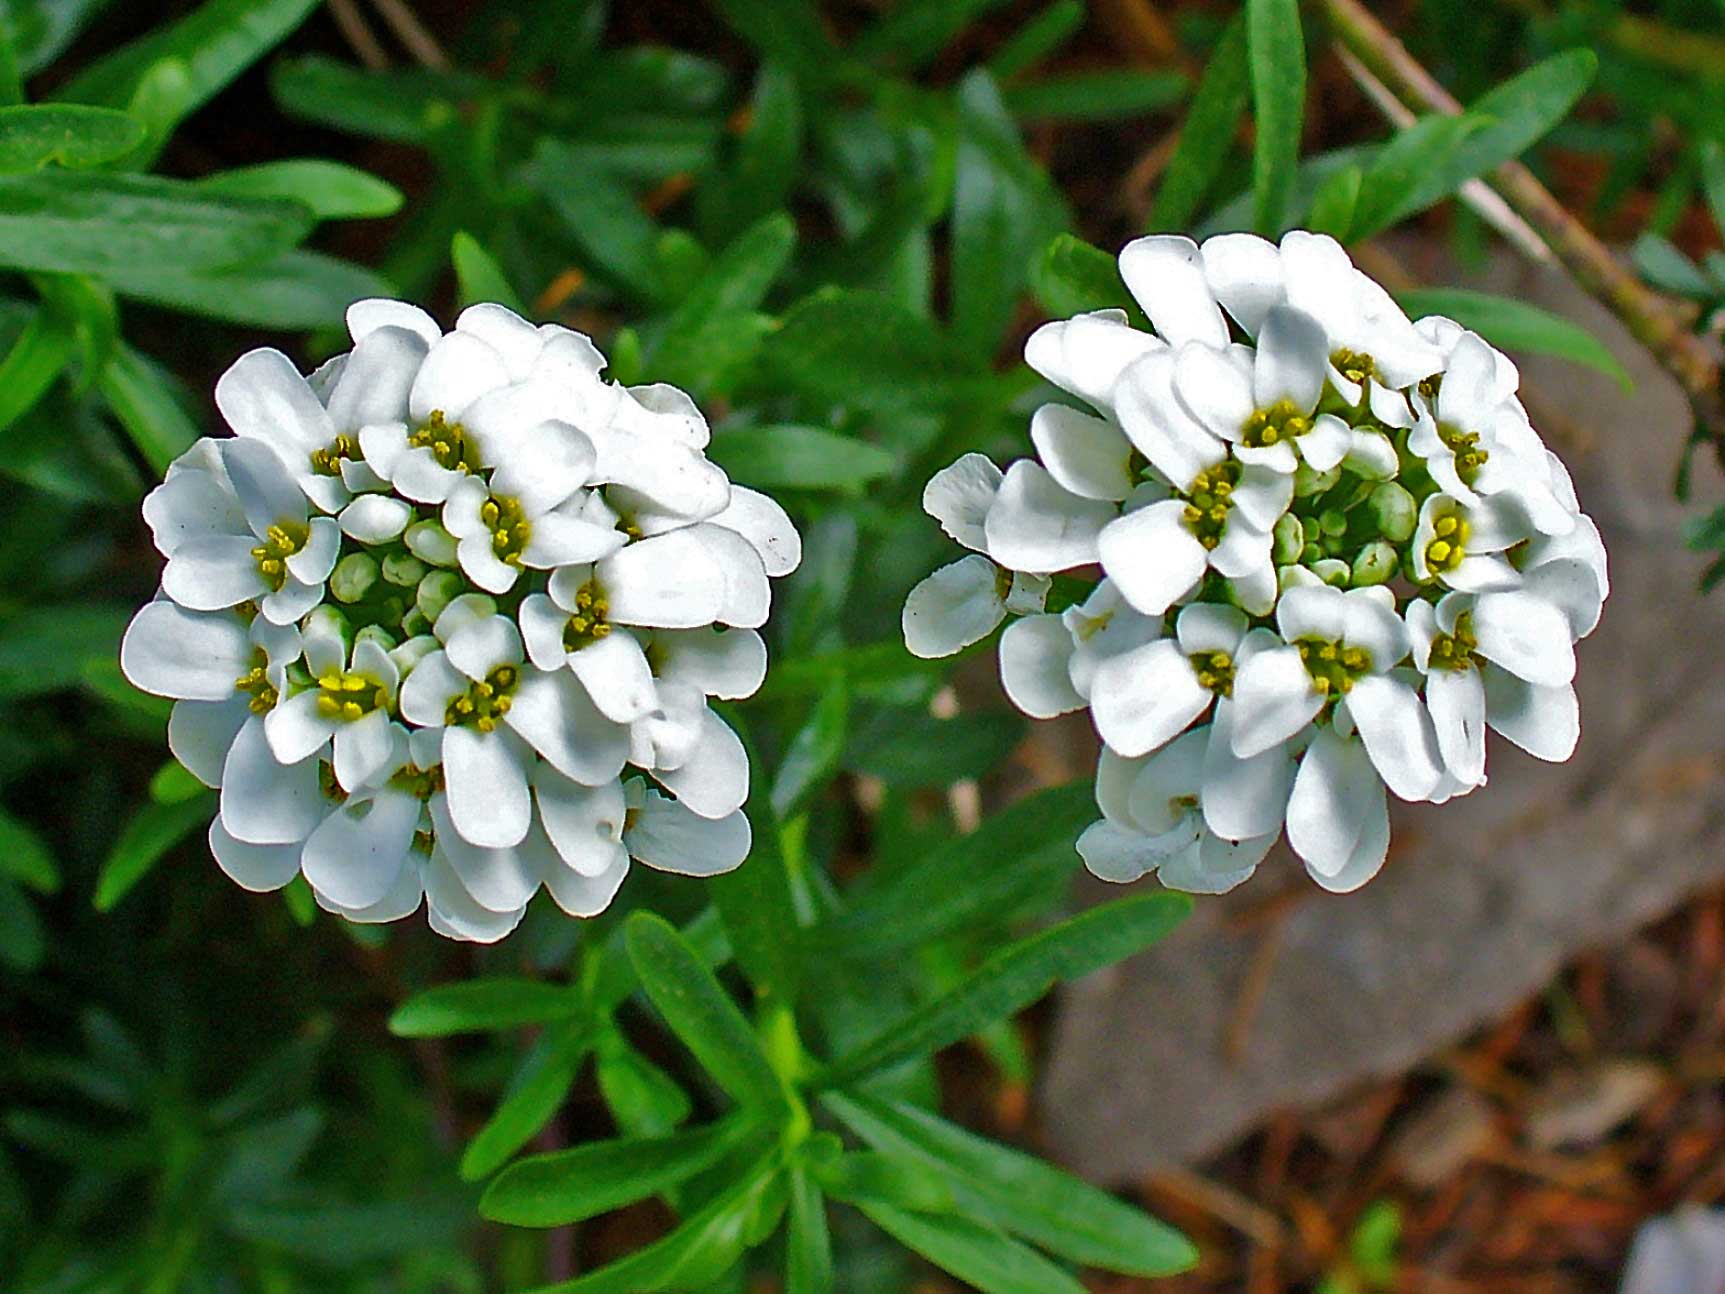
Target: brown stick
point(1654, 320)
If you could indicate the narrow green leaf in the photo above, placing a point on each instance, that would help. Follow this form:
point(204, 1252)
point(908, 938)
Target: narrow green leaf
point(1333, 205)
point(41, 30)
point(643, 1099)
point(67, 134)
point(149, 405)
point(411, 106)
point(863, 1177)
point(761, 169)
point(1515, 114)
point(808, 1246)
point(1713, 179)
point(1278, 57)
point(153, 830)
point(1096, 96)
point(788, 31)
point(1393, 188)
point(537, 1090)
point(1668, 269)
point(333, 190)
point(912, 32)
point(813, 753)
point(920, 750)
point(478, 275)
point(1018, 1192)
point(755, 899)
point(1208, 135)
point(966, 881)
point(483, 1005)
point(600, 216)
point(86, 222)
point(1037, 39)
point(786, 457)
point(216, 41)
point(45, 649)
point(713, 331)
point(701, 1013)
point(25, 856)
point(1073, 277)
point(38, 357)
point(1516, 325)
point(173, 782)
point(11, 92)
point(978, 1255)
point(1015, 977)
point(298, 289)
point(23, 942)
point(573, 1185)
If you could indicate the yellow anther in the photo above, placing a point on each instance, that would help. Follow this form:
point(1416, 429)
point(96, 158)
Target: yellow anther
point(1446, 526)
point(1437, 553)
point(352, 710)
point(489, 512)
point(328, 706)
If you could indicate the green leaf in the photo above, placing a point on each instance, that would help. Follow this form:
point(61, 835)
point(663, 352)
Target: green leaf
point(1096, 96)
point(600, 216)
point(332, 190)
point(813, 753)
point(1713, 179)
point(808, 1245)
point(1013, 978)
point(920, 750)
point(216, 41)
point(714, 330)
point(1073, 277)
point(25, 856)
point(755, 900)
point(153, 830)
point(41, 30)
point(1038, 38)
point(409, 107)
point(45, 649)
point(478, 275)
point(701, 1013)
point(298, 289)
point(1208, 135)
point(38, 357)
point(967, 881)
point(863, 1177)
point(1018, 1192)
point(23, 942)
point(173, 782)
point(913, 31)
point(573, 1185)
point(978, 1255)
point(1394, 186)
point(149, 405)
point(69, 134)
point(643, 1099)
point(786, 457)
point(483, 1005)
point(761, 170)
point(1004, 211)
point(1373, 1243)
point(1668, 269)
point(1334, 204)
point(1277, 48)
point(1516, 325)
point(78, 223)
point(537, 1090)
point(788, 31)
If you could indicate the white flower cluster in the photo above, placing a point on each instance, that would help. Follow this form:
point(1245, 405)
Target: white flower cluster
point(442, 621)
point(1333, 551)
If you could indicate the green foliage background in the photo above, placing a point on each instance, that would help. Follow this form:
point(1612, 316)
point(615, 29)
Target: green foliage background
point(825, 223)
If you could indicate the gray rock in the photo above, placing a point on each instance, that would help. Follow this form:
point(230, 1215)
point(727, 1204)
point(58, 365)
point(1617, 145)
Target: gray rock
point(1482, 900)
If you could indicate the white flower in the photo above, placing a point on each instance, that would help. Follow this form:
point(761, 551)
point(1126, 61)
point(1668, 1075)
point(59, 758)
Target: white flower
point(331, 632)
point(965, 602)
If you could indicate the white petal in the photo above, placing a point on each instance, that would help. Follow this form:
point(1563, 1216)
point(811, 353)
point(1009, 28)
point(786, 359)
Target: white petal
point(615, 672)
point(183, 654)
point(581, 895)
point(668, 581)
point(498, 880)
point(429, 688)
point(481, 646)
point(1207, 626)
point(200, 732)
point(729, 664)
point(191, 505)
point(213, 572)
point(1085, 454)
point(957, 605)
point(1245, 273)
point(556, 715)
point(1213, 390)
point(516, 340)
point(258, 868)
point(357, 852)
point(1456, 699)
point(1526, 635)
point(1397, 733)
point(1154, 419)
point(545, 465)
point(1336, 794)
point(375, 518)
point(365, 748)
point(1273, 699)
point(296, 729)
point(666, 835)
point(374, 382)
point(458, 370)
point(1292, 361)
point(1213, 866)
point(714, 781)
point(1317, 612)
point(585, 823)
point(366, 317)
point(263, 395)
point(316, 558)
point(1543, 721)
point(487, 786)
point(1573, 588)
point(1371, 455)
point(1242, 798)
point(563, 538)
point(542, 624)
point(1111, 853)
point(1035, 653)
point(1165, 273)
point(1327, 443)
point(1367, 857)
point(1144, 698)
point(264, 802)
point(1035, 524)
point(1243, 549)
point(1151, 556)
point(1086, 354)
point(1371, 622)
point(959, 496)
point(760, 520)
point(663, 485)
point(452, 912)
point(748, 595)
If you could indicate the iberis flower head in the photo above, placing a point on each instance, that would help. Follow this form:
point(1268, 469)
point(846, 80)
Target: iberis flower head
point(443, 620)
point(1291, 550)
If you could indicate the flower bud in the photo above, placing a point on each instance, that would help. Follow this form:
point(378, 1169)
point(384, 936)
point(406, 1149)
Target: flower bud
point(1333, 522)
point(430, 542)
point(1308, 482)
point(1295, 577)
point(1374, 564)
point(1394, 511)
point(353, 577)
point(1332, 571)
point(436, 591)
point(1289, 539)
point(404, 569)
point(377, 634)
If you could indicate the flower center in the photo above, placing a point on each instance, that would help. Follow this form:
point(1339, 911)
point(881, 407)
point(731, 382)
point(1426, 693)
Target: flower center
point(1469, 457)
point(1354, 365)
point(1281, 421)
point(1446, 551)
point(327, 461)
point(1456, 650)
point(420, 783)
point(281, 542)
point(1215, 671)
point(350, 696)
point(256, 683)
point(486, 702)
point(509, 527)
point(446, 440)
point(588, 625)
point(1332, 666)
point(1208, 502)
